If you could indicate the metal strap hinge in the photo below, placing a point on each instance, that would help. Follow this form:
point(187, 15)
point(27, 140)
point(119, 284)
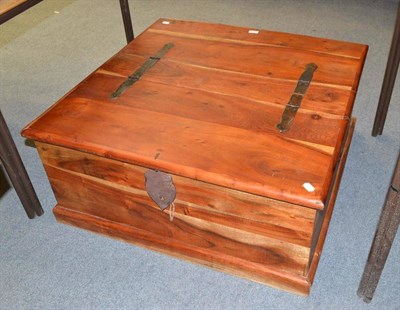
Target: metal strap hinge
point(297, 96)
point(135, 76)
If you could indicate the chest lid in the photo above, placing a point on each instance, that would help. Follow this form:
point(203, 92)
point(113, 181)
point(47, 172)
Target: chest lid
point(204, 101)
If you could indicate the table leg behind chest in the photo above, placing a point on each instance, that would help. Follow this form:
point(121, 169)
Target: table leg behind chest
point(16, 171)
point(384, 236)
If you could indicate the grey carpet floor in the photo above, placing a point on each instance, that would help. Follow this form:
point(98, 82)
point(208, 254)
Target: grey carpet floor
point(44, 265)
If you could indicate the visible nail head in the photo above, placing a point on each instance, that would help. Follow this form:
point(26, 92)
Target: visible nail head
point(315, 116)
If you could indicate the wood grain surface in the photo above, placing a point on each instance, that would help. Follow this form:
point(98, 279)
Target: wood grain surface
point(246, 235)
point(208, 109)
point(206, 113)
point(284, 221)
point(241, 35)
point(252, 271)
point(219, 225)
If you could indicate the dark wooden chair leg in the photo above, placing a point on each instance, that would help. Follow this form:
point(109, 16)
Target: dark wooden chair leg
point(384, 236)
point(4, 184)
point(389, 80)
point(126, 17)
point(16, 171)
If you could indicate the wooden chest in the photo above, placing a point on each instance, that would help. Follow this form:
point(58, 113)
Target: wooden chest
point(251, 127)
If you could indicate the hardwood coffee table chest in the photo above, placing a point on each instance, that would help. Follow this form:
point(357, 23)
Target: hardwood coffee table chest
point(216, 144)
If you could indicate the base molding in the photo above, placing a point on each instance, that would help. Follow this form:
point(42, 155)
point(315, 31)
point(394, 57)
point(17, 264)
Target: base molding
point(230, 265)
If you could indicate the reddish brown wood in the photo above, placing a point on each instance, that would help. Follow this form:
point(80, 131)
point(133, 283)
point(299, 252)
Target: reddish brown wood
point(208, 107)
point(241, 35)
point(136, 209)
point(205, 232)
point(188, 127)
point(324, 98)
point(201, 197)
point(242, 268)
point(183, 146)
point(274, 62)
point(206, 113)
point(205, 229)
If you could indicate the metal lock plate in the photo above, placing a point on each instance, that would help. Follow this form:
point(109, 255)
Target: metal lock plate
point(160, 188)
